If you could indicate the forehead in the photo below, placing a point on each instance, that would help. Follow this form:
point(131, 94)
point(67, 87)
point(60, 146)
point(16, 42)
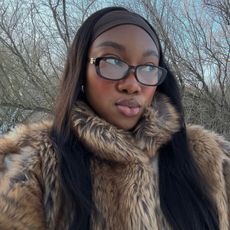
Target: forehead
point(129, 37)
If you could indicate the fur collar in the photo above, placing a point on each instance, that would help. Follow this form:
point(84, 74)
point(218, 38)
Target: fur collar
point(108, 142)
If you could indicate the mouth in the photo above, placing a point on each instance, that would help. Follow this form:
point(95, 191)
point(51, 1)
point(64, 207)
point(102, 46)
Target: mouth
point(128, 107)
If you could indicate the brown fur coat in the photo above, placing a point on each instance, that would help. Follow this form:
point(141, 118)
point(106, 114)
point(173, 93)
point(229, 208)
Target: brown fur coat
point(125, 192)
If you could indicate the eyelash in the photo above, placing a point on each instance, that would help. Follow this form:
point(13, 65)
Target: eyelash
point(122, 59)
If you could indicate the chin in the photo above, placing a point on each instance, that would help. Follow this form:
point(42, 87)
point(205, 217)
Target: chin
point(124, 123)
point(126, 126)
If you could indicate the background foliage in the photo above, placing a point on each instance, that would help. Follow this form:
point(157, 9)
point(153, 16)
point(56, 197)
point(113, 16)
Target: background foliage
point(35, 36)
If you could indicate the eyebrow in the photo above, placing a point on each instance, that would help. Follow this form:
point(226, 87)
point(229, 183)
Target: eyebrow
point(112, 44)
point(150, 53)
point(120, 47)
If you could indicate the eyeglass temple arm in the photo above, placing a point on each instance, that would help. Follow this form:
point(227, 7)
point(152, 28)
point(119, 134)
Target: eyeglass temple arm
point(92, 60)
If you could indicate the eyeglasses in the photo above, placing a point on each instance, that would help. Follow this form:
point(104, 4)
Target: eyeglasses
point(114, 69)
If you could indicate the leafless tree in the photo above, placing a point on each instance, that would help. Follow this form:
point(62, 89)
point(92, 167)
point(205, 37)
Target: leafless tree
point(35, 36)
point(195, 40)
point(34, 39)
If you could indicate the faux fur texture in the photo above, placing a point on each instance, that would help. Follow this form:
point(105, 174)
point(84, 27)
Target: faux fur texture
point(124, 170)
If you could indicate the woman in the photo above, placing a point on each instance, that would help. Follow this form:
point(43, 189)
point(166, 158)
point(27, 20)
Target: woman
point(118, 154)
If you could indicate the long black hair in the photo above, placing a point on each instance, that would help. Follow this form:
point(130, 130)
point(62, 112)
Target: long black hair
point(184, 193)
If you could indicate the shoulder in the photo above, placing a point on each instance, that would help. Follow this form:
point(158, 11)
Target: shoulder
point(210, 150)
point(23, 135)
point(204, 143)
point(22, 148)
point(212, 153)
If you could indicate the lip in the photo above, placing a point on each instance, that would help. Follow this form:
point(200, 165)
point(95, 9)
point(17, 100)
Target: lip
point(128, 107)
point(132, 103)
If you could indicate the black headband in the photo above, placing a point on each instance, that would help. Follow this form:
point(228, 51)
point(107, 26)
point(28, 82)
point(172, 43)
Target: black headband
point(121, 17)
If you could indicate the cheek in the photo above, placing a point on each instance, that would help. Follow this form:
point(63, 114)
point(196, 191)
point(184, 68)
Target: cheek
point(96, 86)
point(148, 94)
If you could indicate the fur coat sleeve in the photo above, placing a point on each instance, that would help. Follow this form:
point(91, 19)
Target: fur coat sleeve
point(21, 179)
point(212, 154)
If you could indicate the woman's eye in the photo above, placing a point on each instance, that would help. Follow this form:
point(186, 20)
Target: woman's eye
point(114, 61)
point(148, 68)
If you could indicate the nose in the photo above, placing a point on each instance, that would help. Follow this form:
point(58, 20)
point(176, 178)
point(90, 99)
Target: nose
point(129, 84)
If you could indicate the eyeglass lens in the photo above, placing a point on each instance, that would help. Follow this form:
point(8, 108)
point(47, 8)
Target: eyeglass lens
point(112, 68)
point(115, 69)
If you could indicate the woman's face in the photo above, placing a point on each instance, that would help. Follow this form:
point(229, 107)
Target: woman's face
point(121, 102)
